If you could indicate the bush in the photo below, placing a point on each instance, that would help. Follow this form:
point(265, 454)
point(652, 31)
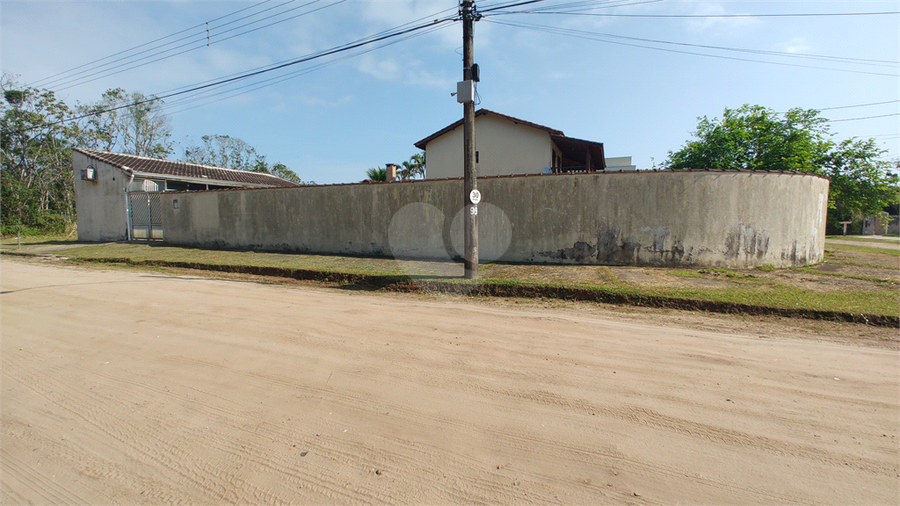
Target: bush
point(44, 224)
point(51, 223)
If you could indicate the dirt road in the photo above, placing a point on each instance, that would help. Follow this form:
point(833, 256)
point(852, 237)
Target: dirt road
point(128, 388)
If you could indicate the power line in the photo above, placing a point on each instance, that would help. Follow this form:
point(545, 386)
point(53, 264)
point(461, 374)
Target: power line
point(859, 105)
point(600, 37)
point(867, 117)
point(709, 16)
point(882, 63)
point(200, 44)
point(508, 6)
point(314, 56)
point(36, 83)
point(432, 17)
point(240, 90)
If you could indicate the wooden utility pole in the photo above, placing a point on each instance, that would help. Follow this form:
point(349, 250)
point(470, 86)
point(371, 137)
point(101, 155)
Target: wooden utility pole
point(470, 219)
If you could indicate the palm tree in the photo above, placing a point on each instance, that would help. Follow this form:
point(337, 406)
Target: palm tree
point(377, 174)
point(413, 168)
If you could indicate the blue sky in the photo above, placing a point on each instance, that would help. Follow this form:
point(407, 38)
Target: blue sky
point(330, 124)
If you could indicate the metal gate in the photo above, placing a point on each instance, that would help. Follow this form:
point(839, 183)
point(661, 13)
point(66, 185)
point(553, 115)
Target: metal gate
point(146, 218)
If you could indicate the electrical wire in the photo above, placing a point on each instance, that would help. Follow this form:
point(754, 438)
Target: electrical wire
point(314, 56)
point(434, 17)
point(255, 86)
point(599, 37)
point(859, 105)
point(204, 35)
point(575, 6)
point(712, 16)
point(880, 63)
point(867, 117)
point(37, 83)
point(200, 45)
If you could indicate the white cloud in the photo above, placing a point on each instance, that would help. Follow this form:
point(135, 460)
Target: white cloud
point(409, 72)
point(382, 69)
point(716, 25)
point(796, 45)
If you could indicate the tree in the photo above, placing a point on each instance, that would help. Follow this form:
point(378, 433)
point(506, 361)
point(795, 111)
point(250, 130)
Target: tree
point(757, 138)
point(861, 183)
point(233, 153)
point(224, 151)
point(413, 168)
point(377, 174)
point(134, 124)
point(35, 156)
point(281, 170)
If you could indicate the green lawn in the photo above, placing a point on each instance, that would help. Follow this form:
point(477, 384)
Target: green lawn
point(881, 298)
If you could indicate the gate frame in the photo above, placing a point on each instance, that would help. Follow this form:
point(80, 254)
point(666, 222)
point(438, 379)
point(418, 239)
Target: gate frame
point(129, 212)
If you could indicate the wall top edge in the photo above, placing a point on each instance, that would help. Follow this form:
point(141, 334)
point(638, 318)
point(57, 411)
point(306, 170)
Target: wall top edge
point(530, 176)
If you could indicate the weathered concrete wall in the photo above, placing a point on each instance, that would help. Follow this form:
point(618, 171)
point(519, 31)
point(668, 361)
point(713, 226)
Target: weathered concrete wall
point(100, 204)
point(734, 219)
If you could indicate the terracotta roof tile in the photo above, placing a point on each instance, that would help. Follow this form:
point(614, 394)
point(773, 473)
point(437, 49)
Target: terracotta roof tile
point(185, 170)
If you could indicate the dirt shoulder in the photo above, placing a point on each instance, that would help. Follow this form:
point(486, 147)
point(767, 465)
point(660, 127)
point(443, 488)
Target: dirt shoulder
point(172, 389)
point(761, 325)
point(855, 284)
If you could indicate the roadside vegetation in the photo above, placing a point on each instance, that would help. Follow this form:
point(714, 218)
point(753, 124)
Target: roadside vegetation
point(853, 284)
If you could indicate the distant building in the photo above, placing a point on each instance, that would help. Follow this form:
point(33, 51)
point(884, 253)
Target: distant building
point(507, 145)
point(619, 164)
point(114, 193)
point(875, 225)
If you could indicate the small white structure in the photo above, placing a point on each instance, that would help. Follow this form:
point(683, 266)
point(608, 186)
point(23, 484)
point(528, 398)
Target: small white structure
point(116, 195)
point(619, 164)
point(506, 145)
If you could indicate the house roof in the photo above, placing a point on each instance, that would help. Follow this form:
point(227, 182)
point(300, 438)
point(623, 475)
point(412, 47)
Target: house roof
point(480, 112)
point(573, 148)
point(167, 169)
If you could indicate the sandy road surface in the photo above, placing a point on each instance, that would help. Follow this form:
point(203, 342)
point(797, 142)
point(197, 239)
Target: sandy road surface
point(128, 388)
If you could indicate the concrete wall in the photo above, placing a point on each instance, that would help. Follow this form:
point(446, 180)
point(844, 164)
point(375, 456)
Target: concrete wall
point(874, 225)
point(734, 219)
point(100, 204)
point(503, 148)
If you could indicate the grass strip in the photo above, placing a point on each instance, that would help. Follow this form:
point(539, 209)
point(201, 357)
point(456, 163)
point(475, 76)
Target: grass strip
point(786, 302)
point(874, 279)
point(856, 238)
point(894, 252)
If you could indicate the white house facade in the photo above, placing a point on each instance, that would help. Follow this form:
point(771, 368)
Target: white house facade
point(506, 145)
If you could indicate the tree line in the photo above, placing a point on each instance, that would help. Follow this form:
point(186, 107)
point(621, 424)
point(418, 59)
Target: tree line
point(752, 137)
point(38, 132)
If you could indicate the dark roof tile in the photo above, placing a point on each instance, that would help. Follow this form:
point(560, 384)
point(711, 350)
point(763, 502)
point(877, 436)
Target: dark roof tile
point(185, 170)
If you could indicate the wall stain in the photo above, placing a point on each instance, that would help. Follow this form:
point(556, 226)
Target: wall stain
point(744, 241)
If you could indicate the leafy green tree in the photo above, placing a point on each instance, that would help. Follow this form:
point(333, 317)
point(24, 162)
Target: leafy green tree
point(413, 168)
point(35, 156)
point(861, 181)
point(758, 138)
point(281, 170)
point(377, 174)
